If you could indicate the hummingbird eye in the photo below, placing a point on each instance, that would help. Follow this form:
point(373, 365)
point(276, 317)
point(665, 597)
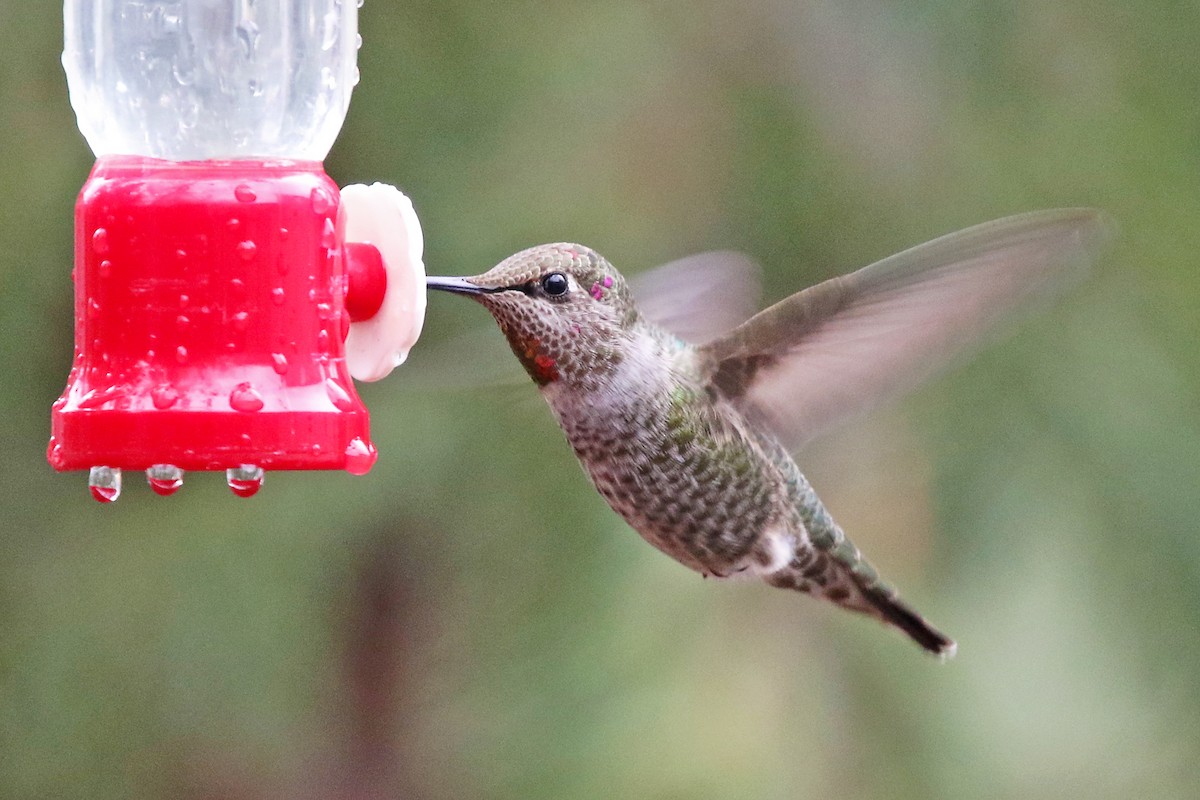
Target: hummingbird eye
point(555, 284)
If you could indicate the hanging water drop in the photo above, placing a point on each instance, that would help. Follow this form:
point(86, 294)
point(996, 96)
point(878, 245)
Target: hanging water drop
point(105, 483)
point(360, 456)
point(245, 480)
point(164, 479)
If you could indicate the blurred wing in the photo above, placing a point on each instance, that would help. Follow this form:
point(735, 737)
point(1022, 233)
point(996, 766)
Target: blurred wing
point(699, 297)
point(845, 345)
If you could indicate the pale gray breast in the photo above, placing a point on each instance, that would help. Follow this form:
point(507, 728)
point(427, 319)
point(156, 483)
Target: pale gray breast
point(682, 472)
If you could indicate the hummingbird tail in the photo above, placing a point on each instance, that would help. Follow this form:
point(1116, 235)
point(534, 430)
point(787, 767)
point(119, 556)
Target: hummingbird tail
point(859, 589)
point(828, 565)
point(888, 607)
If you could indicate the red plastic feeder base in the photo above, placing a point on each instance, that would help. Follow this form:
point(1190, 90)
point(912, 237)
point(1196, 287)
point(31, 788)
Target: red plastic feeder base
point(209, 323)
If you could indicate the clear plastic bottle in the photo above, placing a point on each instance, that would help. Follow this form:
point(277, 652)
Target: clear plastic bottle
point(211, 79)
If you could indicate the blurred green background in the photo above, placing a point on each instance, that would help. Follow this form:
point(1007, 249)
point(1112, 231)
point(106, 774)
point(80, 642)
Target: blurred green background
point(470, 620)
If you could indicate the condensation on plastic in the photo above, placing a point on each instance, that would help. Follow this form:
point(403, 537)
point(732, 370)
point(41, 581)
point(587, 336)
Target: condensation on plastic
point(202, 79)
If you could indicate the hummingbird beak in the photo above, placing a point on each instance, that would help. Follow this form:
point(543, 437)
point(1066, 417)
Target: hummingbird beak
point(457, 285)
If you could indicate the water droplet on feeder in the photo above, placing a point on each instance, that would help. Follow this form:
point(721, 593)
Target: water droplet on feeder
point(244, 193)
point(277, 295)
point(245, 480)
point(163, 396)
point(360, 457)
point(105, 483)
point(247, 249)
point(164, 479)
point(280, 363)
point(54, 453)
point(321, 202)
point(100, 241)
point(105, 269)
point(246, 398)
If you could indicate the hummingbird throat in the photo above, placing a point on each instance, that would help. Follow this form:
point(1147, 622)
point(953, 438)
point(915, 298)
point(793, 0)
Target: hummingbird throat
point(540, 365)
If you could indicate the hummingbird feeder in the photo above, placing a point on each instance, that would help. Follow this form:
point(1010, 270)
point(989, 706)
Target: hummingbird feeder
point(226, 292)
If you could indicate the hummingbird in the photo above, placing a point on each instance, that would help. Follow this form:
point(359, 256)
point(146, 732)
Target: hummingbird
point(691, 440)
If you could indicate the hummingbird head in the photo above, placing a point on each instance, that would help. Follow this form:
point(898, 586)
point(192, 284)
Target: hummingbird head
point(566, 312)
